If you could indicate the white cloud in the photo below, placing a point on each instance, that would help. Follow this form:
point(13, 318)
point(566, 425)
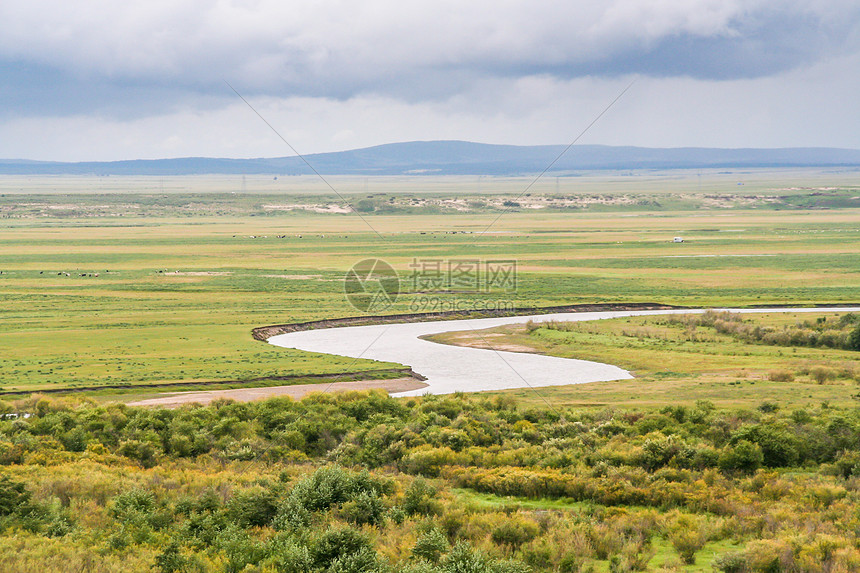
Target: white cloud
point(100, 79)
point(273, 44)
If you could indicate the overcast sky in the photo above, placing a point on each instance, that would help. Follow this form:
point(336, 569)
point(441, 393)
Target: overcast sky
point(105, 80)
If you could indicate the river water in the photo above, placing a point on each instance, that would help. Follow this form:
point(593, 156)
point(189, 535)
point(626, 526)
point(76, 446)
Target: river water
point(451, 369)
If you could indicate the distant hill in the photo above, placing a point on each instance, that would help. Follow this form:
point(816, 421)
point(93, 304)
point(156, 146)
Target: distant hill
point(455, 158)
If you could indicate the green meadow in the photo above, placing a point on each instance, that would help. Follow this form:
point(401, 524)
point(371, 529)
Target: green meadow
point(163, 284)
point(677, 361)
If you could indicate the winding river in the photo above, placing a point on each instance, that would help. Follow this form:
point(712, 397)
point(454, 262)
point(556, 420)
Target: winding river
point(451, 369)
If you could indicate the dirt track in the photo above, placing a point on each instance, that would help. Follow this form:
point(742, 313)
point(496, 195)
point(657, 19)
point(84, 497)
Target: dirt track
point(295, 391)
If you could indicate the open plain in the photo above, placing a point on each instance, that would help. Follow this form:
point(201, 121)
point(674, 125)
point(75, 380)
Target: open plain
point(732, 448)
point(142, 289)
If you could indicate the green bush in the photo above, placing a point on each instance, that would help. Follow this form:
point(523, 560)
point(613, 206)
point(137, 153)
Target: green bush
point(854, 339)
point(848, 464)
point(731, 563)
point(430, 545)
point(419, 499)
point(254, 508)
point(240, 549)
point(332, 485)
point(367, 508)
point(170, 560)
point(13, 496)
point(337, 543)
point(658, 451)
point(688, 535)
point(130, 504)
point(143, 452)
point(464, 559)
point(362, 561)
point(743, 456)
point(515, 532)
point(288, 556)
point(779, 448)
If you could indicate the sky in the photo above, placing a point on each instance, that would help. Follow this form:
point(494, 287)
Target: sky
point(100, 80)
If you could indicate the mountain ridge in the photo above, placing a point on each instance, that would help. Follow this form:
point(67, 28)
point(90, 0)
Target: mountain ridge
point(453, 157)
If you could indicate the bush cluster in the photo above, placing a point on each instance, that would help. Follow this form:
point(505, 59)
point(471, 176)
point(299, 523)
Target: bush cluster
point(682, 476)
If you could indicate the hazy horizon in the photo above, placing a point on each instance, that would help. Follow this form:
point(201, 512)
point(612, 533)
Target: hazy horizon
point(395, 143)
point(423, 158)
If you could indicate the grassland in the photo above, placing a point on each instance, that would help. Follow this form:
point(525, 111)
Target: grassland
point(185, 269)
point(704, 462)
point(674, 365)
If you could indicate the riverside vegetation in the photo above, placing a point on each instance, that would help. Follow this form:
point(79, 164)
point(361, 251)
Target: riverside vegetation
point(363, 482)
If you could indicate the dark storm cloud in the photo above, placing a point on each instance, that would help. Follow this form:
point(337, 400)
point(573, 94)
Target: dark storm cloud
point(101, 79)
point(41, 90)
point(134, 60)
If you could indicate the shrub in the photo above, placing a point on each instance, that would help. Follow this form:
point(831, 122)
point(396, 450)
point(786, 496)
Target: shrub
point(419, 499)
point(780, 376)
point(779, 448)
point(254, 508)
point(363, 561)
point(367, 508)
point(464, 559)
point(768, 407)
point(142, 452)
point(848, 319)
point(430, 545)
point(854, 339)
point(688, 535)
point(203, 529)
point(744, 456)
point(365, 206)
point(515, 532)
point(16, 500)
point(656, 452)
point(170, 560)
point(13, 496)
point(452, 522)
point(848, 464)
point(240, 549)
point(337, 543)
point(769, 556)
point(10, 453)
point(131, 503)
point(822, 374)
point(570, 563)
point(287, 556)
point(331, 486)
point(731, 563)
point(801, 416)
